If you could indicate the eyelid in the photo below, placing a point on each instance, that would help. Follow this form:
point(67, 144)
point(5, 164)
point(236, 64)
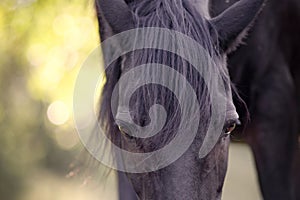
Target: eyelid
point(230, 121)
point(238, 122)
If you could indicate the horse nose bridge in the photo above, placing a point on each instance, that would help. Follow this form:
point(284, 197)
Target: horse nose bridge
point(186, 168)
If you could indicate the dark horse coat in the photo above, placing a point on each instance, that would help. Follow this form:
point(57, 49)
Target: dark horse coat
point(266, 73)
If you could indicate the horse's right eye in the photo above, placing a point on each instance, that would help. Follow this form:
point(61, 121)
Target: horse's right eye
point(125, 132)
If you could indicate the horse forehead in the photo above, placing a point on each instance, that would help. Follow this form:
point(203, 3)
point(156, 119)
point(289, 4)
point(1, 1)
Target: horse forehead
point(202, 6)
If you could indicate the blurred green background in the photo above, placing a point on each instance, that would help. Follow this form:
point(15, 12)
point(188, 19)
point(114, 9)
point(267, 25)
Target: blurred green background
point(42, 45)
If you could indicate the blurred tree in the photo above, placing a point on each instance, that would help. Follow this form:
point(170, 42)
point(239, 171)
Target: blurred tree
point(42, 44)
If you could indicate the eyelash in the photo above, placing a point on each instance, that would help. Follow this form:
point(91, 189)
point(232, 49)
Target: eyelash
point(227, 130)
point(230, 127)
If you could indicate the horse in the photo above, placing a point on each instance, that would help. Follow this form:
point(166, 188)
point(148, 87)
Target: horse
point(189, 176)
point(265, 72)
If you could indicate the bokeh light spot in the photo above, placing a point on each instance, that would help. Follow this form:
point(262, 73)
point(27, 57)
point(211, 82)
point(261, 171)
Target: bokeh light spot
point(58, 113)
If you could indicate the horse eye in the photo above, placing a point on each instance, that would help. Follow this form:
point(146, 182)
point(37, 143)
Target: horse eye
point(230, 128)
point(125, 132)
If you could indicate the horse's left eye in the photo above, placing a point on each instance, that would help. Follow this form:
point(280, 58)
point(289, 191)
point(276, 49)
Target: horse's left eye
point(230, 128)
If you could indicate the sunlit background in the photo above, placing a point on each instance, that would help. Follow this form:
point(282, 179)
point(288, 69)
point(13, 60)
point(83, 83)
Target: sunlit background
point(42, 46)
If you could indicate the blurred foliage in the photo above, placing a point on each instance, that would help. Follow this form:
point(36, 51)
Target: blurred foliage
point(43, 43)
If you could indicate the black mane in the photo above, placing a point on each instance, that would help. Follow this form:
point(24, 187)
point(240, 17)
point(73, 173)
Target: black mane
point(175, 15)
